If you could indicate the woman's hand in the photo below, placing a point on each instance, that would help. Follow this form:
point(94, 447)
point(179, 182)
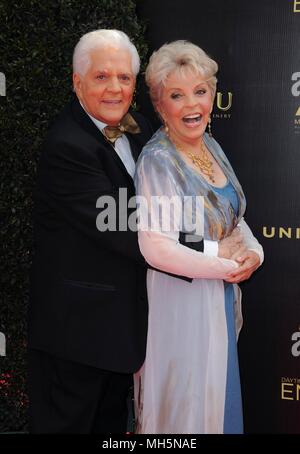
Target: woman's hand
point(232, 246)
point(249, 262)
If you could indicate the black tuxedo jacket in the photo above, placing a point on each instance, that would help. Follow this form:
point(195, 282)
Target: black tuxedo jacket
point(88, 288)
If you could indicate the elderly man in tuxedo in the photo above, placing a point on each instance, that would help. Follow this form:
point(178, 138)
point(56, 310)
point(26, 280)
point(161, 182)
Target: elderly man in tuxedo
point(88, 306)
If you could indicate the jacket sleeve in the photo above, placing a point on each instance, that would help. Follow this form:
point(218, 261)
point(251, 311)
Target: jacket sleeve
point(73, 182)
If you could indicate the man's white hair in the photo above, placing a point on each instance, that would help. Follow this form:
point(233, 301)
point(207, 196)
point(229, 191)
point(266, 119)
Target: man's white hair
point(100, 39)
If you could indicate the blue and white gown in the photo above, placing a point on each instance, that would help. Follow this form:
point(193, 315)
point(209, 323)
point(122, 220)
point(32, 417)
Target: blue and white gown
point(189, 383)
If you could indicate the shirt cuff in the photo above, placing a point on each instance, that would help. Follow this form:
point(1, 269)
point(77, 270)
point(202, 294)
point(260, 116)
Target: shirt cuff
point(211, 248)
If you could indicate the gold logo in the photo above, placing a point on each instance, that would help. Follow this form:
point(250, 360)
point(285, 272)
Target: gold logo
point(296, 6)
point(223, 103)
point(290, 388)
point(297, 120)
point(282, 232)
point(220, 101)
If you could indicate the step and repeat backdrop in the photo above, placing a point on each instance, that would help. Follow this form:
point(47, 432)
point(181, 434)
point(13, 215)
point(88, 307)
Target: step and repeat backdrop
point(256, 118)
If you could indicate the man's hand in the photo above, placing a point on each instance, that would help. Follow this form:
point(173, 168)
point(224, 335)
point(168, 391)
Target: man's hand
point(232, 246)
point(249, 262)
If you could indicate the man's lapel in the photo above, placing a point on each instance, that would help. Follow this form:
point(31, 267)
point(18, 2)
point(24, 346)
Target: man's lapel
point(134, 146)
point(87, 124)
point(137, 141)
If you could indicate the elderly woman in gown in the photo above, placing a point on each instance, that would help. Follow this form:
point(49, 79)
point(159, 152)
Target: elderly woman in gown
point(190, 380)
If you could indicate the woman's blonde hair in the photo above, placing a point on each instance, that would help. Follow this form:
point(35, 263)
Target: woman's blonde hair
point(178, 56)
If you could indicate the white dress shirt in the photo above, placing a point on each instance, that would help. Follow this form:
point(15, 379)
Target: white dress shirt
point(121, 146)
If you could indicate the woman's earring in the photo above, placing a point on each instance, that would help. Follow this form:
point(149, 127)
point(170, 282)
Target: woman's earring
point(166, 128)
point(209, 127)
